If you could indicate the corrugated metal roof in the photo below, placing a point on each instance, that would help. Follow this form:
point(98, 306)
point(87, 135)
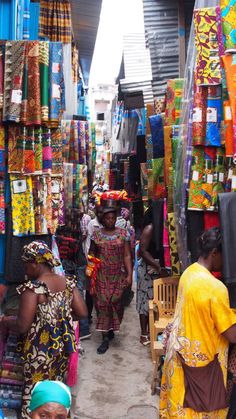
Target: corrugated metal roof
point(145, 87)
point(162, 37)
point(85, 21)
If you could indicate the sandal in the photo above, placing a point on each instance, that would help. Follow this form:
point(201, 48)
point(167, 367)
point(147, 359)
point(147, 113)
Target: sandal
point(103, 347)
point(144, 340)
point(111, 334)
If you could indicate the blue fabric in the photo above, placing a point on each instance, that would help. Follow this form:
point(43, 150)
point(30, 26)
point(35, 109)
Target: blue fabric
point(157, 131)
point(56, 104)
point(26, 20)
point(214, 112)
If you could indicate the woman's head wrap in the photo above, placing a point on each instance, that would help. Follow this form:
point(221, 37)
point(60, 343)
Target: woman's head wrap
point(50, 392)
point(39, 252)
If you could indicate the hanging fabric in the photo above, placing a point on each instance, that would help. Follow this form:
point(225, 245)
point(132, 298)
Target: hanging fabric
point(56, 83)
point(44, 79)
point(195, 200)
point(22, 205)
point(38, 146)
point(214, 116)
point(13, 76)
point(55, 20)
point(175, 265)
point(199, 115)
point(40, 192)
point(208, 69)
point(2, 150)
point(230, 70)
point(157, 131)
point(68, 184)
point(159, 190)
point(56, 143)
point(29, 152)
point(228, 129)
point(228, 13)
point(2, 52)
point(26, 20)
point(47, 152)
point(15, 149)
point(2, 207)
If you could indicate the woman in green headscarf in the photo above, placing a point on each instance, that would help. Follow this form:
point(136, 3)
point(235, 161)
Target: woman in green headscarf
point(51, 400)
point(48, 302)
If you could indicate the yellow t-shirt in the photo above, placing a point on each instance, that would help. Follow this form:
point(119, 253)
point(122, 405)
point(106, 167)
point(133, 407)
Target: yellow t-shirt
point(202, 314)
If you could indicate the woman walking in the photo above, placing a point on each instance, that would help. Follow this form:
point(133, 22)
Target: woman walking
point(195, 369)
point(111, 245)
point(47, 304)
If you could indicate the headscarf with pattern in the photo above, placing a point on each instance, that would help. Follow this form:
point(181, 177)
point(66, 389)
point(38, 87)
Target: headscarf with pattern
point(38, 252)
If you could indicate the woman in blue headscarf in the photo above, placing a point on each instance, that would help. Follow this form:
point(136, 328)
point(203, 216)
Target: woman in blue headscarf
point(51, 400)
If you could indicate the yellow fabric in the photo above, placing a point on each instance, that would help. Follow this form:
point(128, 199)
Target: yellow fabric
point(202, 314)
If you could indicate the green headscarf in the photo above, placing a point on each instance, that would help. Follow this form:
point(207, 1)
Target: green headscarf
point(50, 392)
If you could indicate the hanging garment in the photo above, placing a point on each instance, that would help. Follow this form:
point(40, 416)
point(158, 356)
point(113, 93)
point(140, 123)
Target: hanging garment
point(15, 149)
point(2, 53)
point(199, 115)
point(56, 83)
point(56, 143)
point(13, 75)
point(208, 69)
point(81, 127)
point(228, 13)
point(44, 79)
point(227, 202)
point(214, 116)
point(31, 103)
point(230, 70)
point(175, 265)
point(40, 193)
point(159, 190)
point(157, 131)
point(55, 20)
point(47, 152)
point(195, 200)
point(228, 129)
point(22, 205)
point(2, 150)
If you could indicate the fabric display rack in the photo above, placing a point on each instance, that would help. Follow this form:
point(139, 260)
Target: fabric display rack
point(46, 156)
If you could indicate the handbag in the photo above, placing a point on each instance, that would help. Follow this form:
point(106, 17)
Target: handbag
point(204, 386)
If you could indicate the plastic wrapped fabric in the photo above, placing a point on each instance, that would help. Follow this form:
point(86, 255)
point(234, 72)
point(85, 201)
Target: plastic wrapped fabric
point(199, 115)
point(228, 129)
point(208, 69)
point(214, 116)
point(195, 200)
point(168, 152)
point(156, 124)
point(159, 189)
point(228, 13)
point(227, 203)
point(219, 176)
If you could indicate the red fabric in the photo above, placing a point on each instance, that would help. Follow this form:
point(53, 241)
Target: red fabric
point(211, 219)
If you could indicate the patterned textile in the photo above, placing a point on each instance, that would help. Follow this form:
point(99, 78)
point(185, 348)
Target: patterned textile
point(40, 193)
point(44, 79)
point(199, 115)
point(170, 103)
point(175, 265)
point(2, 207)
point(68, 184)
point(38, 156)
point(149, 147)
point(56, 83)
point(65, 133)
point(50, 340)
point(200, 296)
point(13, 75)
point(214, 116)
point(150, 111)
point(178, 86)
point(159, 105)
point(208, 177)
point(15, 149)
point(166, 243)
point(28, 151)
point(2, 150)
point(22, 205)
point(2, 51)
point(110, 282)
point(208, 68)
point(159, 190)
point(55, 20)
point(144, 180)
point(57, 204)
point(39, 252)
point(219, 176)
point(230, 70)
point(168, 152)
point(228, 13)
point(228, 129)
point(195, 200)
point(47, 152)
point(157, 131)
point(144, 288)
point(57, 161)
point(26, 19)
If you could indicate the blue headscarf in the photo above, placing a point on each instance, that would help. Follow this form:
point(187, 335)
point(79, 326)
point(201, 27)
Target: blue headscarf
point(50, 392)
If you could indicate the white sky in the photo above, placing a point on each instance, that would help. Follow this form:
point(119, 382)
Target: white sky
point(118, 17)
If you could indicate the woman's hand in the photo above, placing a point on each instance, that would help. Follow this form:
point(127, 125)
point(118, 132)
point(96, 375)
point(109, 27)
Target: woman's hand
point(128, 281)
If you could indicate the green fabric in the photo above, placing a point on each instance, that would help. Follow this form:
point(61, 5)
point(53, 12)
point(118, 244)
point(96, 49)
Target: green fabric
point(50, 392)
point(44, 78)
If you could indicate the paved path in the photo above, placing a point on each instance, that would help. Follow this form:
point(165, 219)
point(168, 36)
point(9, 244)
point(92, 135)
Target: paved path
point(116, 385)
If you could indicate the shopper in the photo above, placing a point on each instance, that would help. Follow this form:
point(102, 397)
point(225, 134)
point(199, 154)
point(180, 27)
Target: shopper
point(195, 369)
point(93, 225)
point(148, 269)
point(110, 244)
point(50, 399)
point(45, 318)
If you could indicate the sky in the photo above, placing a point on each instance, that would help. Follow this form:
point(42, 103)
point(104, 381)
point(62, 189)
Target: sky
point(118, 17)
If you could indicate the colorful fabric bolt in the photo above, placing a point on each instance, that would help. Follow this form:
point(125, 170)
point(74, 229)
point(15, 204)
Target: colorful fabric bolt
point(40, 193)
point(149, 147)
point(195, 200)
point(29, 153)
point(208, 177)
point(55, 20)
point(175, 265)
point(13, 76)
point(38, 147)
point(144, 180)
point(214, 116)
point(228, 129)
point(159, 190)
point(47, 152)
point(26, 20)
point(15, 149)
point(68, 184)
point(44, 79)
point(56, 82)
point(57, 160)
point(199, 115)
point(219, 176)
point(230, 71)
point(170, 103)
point(157, 131)
point(168, 152)
point(178, 86)
point(57, 203)
point(228, 13)
point(2, 52)
point(2, 207)
point(22, 205)
point(66, 133)
point(208, 67)
point(2, 150)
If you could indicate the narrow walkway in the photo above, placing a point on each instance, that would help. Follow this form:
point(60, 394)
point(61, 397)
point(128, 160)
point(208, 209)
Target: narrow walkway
point(116, 385)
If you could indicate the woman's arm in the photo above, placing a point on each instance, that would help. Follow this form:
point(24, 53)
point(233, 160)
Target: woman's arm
point(128, 263)
point(144, 244)
point(79, 308)
point(26, 314)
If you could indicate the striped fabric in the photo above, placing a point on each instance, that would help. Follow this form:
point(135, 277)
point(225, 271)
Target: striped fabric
point(26, 20)
point(55, 20)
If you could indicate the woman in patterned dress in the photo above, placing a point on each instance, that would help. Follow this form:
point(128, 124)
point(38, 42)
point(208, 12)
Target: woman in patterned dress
point(47, 304)
point(111, 245)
